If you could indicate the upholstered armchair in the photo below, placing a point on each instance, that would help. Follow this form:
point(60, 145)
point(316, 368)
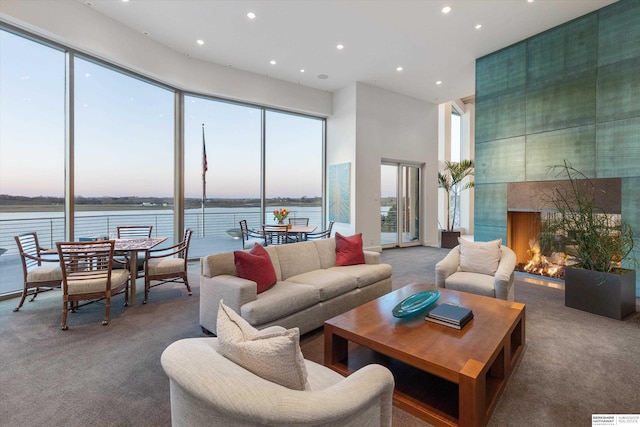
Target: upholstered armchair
point(251, 377)
point(483, 268)
point(208, 389)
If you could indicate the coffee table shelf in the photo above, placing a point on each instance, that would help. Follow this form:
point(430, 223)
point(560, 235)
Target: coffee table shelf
point(457, 389)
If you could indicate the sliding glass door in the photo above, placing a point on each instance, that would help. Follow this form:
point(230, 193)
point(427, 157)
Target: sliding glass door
point(399, 204)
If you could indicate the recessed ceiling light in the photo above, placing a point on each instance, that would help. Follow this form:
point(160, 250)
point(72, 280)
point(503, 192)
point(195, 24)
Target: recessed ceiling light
point(439, 82)
point(187, 54)
point(251, 15)
point(323, 76)
point(200, 42)
point(446, 9)
point(340, 46)
point(302, 70)
point(529, 1)
point(88, 3)
point(399, 69)
point(125, 1)
point(477, 27)
point(146, 33)
point(272, 62)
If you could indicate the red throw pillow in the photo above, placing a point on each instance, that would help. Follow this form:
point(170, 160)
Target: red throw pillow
point(349, 249)
point(256, 266)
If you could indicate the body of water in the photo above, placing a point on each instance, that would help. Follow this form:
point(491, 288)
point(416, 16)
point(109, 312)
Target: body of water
point(215, 224)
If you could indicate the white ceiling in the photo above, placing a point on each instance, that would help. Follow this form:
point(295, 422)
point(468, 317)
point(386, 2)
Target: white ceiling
point(378, 35)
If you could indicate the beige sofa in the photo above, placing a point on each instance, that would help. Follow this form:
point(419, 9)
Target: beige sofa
point(310, 287)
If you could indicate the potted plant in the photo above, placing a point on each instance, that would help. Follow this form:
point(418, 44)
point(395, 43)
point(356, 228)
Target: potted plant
point(452, 180)
point(597, 243)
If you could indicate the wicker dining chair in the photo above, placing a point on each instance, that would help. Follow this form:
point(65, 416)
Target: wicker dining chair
point(322, 234)
point(167, 265)
point(39, 272)
point(87, 274)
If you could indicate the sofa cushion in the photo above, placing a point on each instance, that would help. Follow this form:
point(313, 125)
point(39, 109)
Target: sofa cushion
point(326, 251)
point(281, 300)
point(297, 258)
point(329, 283)
point(479, 284)
point(365, 274)
point(349, 249)
point(480, 257)
point(273, 354)
point(256, 266)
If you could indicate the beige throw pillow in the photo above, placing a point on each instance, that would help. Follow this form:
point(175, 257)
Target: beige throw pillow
point(480, 257)
point(273, 354)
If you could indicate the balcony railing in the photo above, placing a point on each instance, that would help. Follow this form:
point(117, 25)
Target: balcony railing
point(211, 234)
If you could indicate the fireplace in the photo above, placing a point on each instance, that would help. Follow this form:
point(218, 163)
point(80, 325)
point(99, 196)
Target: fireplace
point(541, 253)
point(536, 252)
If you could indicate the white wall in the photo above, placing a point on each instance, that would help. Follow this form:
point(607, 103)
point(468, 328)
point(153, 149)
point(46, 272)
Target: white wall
point(390, 126)
point(341, 143)
point(76, 25)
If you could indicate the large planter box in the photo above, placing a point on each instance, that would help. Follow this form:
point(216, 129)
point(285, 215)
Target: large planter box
point(607, 294)
point(449, 239)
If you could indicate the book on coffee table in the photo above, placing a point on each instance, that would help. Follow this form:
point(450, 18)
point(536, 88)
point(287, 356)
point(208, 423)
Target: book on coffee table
point(450, 315)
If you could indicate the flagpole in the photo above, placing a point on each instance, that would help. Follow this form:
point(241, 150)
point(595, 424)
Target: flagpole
point(204, 181)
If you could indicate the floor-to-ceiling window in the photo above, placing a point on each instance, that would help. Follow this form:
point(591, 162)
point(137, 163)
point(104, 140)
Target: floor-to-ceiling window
point(32, 111)
point(123, 152)
point(129, 161)
point(293, 166)
point(230, 178)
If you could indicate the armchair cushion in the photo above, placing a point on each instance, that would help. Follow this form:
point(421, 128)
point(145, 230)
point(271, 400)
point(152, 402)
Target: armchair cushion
point(256, 266)
point(166, 266)
point(349, 250)
point(480, 257)
point(273, 353)
point(45, 273)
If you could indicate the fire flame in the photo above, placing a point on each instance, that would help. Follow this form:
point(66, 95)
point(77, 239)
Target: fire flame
point(540, 264)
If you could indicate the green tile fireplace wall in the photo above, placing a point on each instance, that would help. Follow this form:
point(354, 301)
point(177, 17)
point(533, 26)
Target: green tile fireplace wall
point(572, 92)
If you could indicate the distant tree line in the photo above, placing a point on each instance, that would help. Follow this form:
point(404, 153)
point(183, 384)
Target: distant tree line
point(8, 200)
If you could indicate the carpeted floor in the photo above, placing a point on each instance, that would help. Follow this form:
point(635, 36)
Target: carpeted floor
point(575, 364)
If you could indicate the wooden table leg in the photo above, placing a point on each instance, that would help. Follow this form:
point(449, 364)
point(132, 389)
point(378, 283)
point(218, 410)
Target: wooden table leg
point(472, 394)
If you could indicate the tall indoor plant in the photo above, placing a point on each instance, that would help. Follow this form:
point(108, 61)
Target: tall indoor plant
point(596, 242)
point(452, 180)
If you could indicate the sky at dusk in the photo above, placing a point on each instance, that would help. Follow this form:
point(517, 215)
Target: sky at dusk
point(124, 130)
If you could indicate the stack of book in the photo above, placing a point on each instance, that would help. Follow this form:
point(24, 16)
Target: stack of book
point(450, 315)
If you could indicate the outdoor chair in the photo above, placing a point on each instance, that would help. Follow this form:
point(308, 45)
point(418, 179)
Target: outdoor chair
point(277, 234)
point(322, 234)
point(38, 272)
point(87, 274)
point(299, 221)
point(167, 265)
point(250, 237)
point(132, 232)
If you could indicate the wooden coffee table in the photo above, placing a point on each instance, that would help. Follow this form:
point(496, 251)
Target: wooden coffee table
point(445, 376)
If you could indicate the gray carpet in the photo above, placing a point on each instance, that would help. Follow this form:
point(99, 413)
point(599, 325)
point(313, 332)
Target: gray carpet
point(575, 363)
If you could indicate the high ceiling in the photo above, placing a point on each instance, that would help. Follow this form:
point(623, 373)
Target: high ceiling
point(378, 36)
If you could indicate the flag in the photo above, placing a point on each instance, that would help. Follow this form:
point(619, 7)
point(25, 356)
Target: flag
point(205, 166)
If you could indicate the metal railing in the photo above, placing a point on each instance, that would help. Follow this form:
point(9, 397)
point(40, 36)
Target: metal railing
point(214, 234)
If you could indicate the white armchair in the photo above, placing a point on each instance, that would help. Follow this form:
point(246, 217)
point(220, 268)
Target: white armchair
point(486, 268)
point(208, 389)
